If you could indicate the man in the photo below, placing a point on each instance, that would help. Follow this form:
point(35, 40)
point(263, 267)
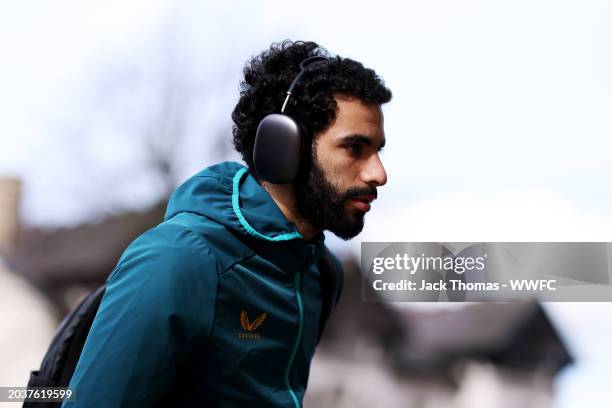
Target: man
point(220, 304)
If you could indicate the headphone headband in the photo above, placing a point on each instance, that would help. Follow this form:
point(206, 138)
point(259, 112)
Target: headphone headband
point(303, 65)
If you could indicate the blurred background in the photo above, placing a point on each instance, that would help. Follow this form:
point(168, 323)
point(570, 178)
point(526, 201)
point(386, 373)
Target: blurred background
point(499, 130)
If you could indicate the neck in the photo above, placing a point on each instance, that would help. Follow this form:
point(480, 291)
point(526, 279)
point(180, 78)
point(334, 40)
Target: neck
point(284, 197)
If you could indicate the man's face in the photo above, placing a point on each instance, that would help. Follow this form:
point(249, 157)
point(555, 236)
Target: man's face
point(345, 170)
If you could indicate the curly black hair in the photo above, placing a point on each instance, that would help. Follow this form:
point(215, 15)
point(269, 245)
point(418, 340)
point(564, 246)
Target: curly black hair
point(268, 75)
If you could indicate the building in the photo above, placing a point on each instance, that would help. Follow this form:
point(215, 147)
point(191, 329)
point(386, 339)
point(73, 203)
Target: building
point(476, 355)
point(27, 320)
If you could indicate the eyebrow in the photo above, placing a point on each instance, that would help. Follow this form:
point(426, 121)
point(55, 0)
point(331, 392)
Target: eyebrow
point(358, 138)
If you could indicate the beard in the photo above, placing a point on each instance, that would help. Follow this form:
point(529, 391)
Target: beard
point(323, 205)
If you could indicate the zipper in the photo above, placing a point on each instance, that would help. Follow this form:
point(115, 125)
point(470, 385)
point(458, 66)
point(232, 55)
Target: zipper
point(298, 295)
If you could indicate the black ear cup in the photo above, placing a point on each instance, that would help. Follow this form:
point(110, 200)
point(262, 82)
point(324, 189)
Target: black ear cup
point(278, 148)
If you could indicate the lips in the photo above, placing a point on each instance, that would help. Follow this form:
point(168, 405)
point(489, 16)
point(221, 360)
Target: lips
point(363, 202)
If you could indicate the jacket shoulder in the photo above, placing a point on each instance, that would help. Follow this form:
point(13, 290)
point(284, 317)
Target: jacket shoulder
point(225, 246)
point(168, 244)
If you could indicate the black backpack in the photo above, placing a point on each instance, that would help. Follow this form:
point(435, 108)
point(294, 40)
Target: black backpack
point(63, 354)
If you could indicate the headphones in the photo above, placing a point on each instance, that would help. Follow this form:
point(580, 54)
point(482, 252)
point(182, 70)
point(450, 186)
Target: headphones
point(281, 141)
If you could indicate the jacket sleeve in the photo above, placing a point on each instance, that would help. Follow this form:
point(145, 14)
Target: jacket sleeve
point(159, 302)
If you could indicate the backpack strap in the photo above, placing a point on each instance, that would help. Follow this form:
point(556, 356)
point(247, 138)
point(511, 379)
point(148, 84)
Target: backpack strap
point(332, 280)
point(63, 354)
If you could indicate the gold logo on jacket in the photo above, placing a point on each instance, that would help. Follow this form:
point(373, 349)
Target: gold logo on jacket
point(249, 328)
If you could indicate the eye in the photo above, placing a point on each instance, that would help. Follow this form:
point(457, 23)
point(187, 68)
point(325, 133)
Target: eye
point(354, 148)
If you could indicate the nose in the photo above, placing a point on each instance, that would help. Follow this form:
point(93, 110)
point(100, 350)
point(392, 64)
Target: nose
point(374, 173)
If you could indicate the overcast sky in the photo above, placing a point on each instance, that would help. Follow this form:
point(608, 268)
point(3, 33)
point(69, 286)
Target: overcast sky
point(499, 128)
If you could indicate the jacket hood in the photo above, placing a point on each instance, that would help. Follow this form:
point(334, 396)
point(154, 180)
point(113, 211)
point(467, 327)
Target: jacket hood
point(228, 194)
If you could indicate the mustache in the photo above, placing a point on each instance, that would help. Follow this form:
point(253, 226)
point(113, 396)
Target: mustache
point(355, 192)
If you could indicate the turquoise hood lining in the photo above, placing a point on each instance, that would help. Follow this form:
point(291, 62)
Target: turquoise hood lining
point(244, 222)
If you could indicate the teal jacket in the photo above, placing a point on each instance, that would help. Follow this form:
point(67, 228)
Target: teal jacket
point(217, 306)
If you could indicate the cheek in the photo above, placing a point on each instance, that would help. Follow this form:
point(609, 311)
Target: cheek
point(337, 166)
point(346, 171)
point(336, 170)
